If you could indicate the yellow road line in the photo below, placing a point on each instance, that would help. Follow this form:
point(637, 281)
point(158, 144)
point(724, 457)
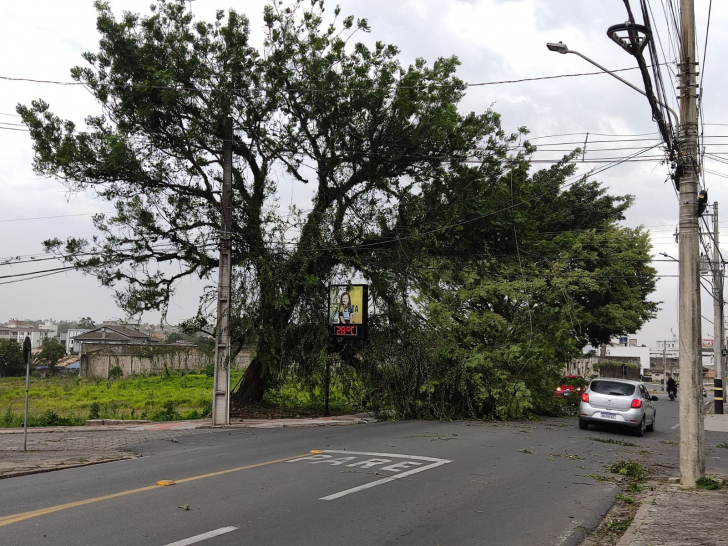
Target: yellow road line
point(15, 518)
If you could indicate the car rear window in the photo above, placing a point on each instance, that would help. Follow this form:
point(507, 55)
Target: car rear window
point(614, 388)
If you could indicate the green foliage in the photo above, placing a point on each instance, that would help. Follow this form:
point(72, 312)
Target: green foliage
point(210, 370)
point(618, 524)
point(115, 373)
point(622, 499)
point(11, 358)
point(487, 277)
point(630, 469)
point(86, 323)
point(125, 398)
point(51, 352)
point(709, 483)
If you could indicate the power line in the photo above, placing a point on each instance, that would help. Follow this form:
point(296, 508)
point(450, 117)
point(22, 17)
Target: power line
point(315, 90)
point(49, 217)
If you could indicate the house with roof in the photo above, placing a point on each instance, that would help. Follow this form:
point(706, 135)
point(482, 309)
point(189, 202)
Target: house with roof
point(115, 334)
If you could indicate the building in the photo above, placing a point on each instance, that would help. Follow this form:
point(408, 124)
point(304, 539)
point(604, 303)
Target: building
point(627, 350)
point(73, 347)
point(116, 334)
point(19, 333)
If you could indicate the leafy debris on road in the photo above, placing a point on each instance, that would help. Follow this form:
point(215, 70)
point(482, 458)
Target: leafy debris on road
point(612, 441)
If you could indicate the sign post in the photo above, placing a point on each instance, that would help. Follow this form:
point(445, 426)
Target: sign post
point(349, 310)
point(348, 316)
point(26, 357)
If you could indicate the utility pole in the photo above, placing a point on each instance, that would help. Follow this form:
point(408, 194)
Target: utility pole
point(692, 434)
point(718, 340)
point(664, 365)
point(221, 388)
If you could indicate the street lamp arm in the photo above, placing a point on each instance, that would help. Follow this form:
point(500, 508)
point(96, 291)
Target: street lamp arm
point(677, 118)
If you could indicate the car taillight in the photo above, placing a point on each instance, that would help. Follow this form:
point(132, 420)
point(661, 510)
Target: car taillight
point(636, 403)
point(558, 389)
point(585, 397)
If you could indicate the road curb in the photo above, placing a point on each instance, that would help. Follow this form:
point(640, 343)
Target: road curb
point(12, 474)
point(639, 517)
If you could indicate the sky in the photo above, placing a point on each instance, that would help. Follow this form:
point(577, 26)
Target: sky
point(496, 40)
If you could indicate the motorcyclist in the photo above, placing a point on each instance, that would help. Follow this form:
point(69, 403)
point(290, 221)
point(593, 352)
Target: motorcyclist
point(672, 385)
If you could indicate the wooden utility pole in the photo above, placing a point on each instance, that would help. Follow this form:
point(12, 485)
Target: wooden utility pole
point(221, 388)
point(692, 434)
point(718, 340)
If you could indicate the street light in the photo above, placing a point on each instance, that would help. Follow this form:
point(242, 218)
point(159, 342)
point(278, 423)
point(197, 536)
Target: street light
point(562, 48)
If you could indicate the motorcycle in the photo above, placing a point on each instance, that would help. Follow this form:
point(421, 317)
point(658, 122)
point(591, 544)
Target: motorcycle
point(672, 394)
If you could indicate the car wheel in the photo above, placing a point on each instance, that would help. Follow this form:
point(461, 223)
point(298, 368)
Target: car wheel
point(583, 424)
point(639, 431)
point(651, 426)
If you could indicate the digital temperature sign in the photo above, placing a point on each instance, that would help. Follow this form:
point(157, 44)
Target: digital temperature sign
point(348, 310)
point(346, 330)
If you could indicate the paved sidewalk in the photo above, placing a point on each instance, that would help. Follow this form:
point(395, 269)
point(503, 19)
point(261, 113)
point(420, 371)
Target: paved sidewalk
point(55, 448)
point(678, 517)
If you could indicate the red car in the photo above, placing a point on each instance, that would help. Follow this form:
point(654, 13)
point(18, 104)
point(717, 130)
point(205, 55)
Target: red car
point(566, 386)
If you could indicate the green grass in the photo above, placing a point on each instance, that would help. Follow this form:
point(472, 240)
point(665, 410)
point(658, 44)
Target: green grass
point(63, 400)
point(618, 524)
point(69, 401)
point(708, 483)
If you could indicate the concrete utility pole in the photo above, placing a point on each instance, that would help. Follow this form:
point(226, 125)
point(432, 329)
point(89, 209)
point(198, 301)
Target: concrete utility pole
point(664, 366)
point(718, 341)
point(221, 389)
point(692, 434)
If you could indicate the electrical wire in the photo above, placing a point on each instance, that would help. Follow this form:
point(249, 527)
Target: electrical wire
point(315, 90)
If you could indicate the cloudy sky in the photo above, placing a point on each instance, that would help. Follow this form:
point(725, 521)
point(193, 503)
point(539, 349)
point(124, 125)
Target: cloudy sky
point(496, 40)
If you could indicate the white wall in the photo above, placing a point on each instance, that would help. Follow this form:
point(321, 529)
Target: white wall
point(643, 353)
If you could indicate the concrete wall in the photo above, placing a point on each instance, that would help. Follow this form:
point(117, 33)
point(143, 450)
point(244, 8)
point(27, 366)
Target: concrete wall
point(97, 358)
point(642, 353)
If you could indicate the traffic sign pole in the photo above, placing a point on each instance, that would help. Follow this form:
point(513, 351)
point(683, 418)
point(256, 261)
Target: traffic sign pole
point(26, 356)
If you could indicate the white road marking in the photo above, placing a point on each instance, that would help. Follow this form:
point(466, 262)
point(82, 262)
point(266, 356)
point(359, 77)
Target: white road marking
point(203, 536)
point(563, 537)
point(675, 426)
point(378, 458)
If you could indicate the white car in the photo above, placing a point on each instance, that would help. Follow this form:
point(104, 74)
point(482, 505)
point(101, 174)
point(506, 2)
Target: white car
point(618, 401)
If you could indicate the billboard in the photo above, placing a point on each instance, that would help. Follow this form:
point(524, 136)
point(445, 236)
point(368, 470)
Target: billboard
point(348, 309)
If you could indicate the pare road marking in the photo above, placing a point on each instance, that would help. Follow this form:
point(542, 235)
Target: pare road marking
point(412, 464)
point(204, 536)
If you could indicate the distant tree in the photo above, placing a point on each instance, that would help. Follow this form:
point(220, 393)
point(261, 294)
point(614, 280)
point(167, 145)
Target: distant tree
point(64, 326)
point(86, 323)
point(174, 337)
point(50, 354)
point(11, 358)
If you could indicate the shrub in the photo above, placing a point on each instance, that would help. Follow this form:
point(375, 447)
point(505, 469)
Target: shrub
point(708, 483)
point(116, 372)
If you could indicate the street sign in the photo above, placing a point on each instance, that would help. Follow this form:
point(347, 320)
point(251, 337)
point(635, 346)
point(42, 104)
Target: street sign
point(349, 310)
point(26, 350)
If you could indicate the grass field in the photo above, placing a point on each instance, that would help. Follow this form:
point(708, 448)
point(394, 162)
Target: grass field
point(70, 400)
point(63, 400)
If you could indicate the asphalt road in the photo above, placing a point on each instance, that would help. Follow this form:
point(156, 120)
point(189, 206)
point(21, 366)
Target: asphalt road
point(409, 483)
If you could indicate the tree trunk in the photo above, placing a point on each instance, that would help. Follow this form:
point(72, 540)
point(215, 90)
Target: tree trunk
point(251, 388)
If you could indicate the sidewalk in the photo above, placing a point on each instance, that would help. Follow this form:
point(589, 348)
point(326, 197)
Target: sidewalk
point(55, 448)
point(678, 517)
point(675, 516)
